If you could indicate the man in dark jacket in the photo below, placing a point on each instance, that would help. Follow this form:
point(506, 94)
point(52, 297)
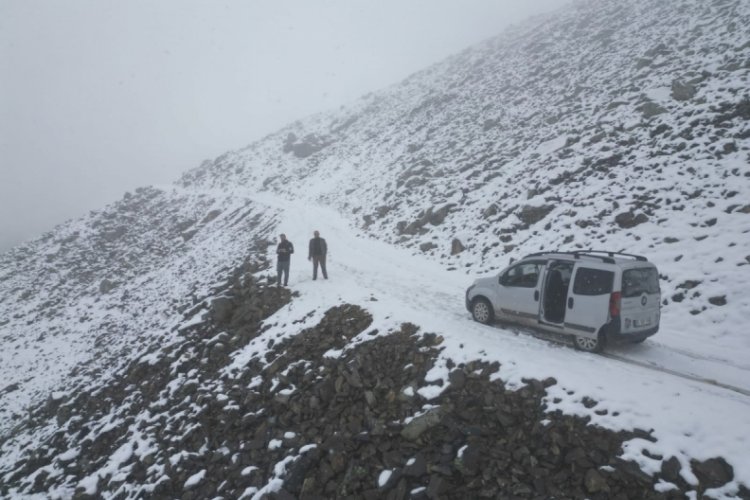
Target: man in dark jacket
point(317, 255)
point(283, 256)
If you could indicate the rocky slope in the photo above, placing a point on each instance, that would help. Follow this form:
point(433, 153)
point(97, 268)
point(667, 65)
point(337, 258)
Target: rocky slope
point(618, 125)
point(114, 283)
point(298, 423)
point(581, 123)
point(144, 354)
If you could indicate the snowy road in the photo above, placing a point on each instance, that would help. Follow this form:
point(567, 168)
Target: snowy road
point(436, 296)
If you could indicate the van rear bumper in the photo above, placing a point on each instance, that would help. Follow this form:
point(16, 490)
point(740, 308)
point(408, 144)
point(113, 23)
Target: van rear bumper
point(613, 332)
point(635, 336)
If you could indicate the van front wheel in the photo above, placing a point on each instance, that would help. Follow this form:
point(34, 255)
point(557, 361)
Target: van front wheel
point(588, 344)
point(481, 311)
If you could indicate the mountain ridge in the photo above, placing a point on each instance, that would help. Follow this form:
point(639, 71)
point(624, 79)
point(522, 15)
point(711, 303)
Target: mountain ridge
point(613, 125)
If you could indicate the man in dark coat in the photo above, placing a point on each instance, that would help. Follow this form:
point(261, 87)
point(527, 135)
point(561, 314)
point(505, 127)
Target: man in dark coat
point(283, 257)
point(317, 255)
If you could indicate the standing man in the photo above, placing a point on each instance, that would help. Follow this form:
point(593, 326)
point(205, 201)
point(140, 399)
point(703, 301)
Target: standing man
point(317, 255)
point(283, 256)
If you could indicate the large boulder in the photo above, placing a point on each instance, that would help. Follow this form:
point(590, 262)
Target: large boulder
point(531, 215)
point(651, 109)
point(682, 91)
point(712, 473)
point(626, 220)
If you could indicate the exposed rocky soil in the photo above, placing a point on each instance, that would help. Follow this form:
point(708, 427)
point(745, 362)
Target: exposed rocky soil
point(300, 422)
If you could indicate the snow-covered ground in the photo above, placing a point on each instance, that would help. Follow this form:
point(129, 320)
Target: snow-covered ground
point(647, 119)
point(689, 418)
point(692, 394)
point(57, 322)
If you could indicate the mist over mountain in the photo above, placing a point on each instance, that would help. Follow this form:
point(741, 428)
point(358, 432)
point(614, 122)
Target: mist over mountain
point(148, 353)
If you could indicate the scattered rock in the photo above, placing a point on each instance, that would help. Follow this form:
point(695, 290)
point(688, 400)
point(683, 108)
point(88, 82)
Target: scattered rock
point(431, 216)
point(627, 220)
point(420, 424)
point(531, 215)
point(720, 300)
point(712, 473)
point(682, 91)
point(457, 247)
point(594, 482)
point(9, 388)
point(670, 470)
point(107, 286)
point(642, 62)
point(426, 247)
point(650, 110)
point(222, 309)
point(490, 211)
point(210, 216)
point(416, 467)
point(689, 284)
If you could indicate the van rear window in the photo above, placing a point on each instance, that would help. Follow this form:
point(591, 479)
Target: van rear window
point(640, 280)
point(593, 281)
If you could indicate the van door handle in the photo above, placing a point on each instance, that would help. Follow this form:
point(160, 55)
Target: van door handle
point(536, 295)
point(570, 302)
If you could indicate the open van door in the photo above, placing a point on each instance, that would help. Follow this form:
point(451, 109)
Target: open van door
point(518, 292)
point(587, 307)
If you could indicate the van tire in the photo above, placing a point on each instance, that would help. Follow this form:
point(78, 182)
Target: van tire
point(481, 311)
point(588, 344)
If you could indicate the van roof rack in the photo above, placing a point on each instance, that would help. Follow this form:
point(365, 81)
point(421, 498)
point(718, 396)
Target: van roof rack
point(618, 254)
point(608, 257)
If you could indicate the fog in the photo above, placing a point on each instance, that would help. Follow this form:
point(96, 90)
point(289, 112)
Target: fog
point(98, 97)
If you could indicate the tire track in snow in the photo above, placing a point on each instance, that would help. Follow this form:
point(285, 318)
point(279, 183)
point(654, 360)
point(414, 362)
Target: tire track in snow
point(687, 376)
point(650, 365)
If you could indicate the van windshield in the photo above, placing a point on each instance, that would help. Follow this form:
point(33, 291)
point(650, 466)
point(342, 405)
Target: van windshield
point(640, 280)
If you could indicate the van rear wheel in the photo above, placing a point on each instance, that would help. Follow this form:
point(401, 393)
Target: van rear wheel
point(588, 344)
point(481, 311)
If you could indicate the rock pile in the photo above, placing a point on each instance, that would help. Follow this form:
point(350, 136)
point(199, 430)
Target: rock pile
point(334, 412)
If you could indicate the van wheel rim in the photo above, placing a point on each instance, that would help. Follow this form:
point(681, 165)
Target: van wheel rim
point(587, 344)
point(481, 312)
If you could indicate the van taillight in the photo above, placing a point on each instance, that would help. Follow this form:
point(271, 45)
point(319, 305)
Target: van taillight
point(614, 304)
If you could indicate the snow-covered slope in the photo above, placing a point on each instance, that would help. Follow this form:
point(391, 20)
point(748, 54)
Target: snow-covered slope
point(617, 125)
point(115, 282)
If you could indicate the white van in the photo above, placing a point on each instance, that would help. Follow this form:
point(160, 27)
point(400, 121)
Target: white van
point(594, 296)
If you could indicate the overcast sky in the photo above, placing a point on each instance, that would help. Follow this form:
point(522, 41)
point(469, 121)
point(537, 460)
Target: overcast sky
point(98, 97)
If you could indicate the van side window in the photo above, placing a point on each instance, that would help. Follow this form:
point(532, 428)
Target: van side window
point(593, 281)
point(638, 281)
point(524, 275)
